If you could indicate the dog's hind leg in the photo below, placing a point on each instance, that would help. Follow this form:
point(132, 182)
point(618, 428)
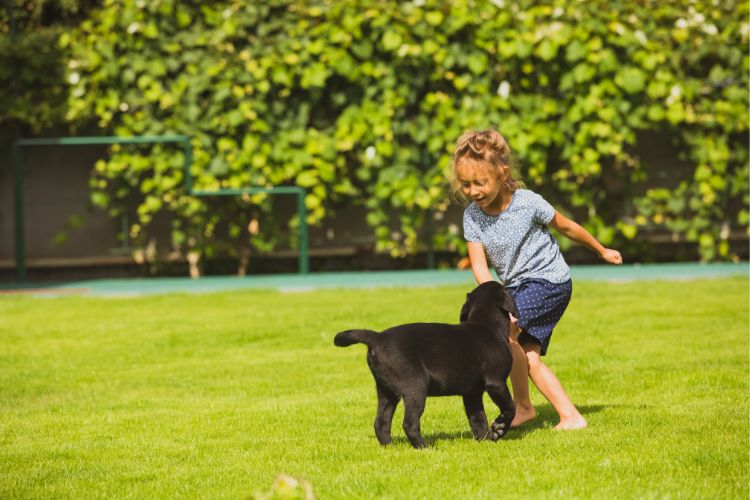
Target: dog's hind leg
point(387, 402)
point(500, 394)
point(413, 408)
point(475, 413)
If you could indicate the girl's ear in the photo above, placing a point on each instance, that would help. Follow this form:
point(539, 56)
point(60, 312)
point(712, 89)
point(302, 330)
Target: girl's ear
point(503, 174)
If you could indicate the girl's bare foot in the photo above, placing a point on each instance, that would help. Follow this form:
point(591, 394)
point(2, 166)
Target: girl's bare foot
point(572, 423)
point(523, 415)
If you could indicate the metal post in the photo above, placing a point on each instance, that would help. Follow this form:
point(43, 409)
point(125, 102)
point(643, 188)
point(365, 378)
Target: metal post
point(20, 228)
point(18, 219)
point(304, 261)
point(187, 147)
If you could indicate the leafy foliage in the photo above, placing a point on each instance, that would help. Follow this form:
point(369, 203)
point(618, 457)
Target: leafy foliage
point(363, 100)
point(33, 90)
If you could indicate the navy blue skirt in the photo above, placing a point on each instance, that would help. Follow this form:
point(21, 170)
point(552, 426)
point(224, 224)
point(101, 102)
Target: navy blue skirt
point(540, 306)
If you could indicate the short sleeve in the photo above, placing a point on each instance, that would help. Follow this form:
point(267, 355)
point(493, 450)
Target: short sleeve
point(543, 211)
point(470, 229)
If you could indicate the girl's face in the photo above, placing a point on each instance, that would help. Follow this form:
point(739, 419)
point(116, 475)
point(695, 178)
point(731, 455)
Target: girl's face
point(482, 185)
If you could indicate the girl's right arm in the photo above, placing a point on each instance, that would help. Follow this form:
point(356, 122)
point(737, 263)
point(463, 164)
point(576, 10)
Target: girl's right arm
point(479, 266)
point(479, 262)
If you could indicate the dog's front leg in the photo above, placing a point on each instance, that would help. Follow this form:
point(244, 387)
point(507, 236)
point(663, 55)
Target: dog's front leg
point(500, 394)
point(475, 413)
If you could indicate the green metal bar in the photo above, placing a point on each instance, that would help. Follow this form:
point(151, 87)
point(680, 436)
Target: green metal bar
point(103, 140)
point(300, 193)
point(304, 261)
point(20, 229)
point(18, 217)
point(248, 190)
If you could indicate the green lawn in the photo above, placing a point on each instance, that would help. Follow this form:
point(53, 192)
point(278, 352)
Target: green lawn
point(212, 396)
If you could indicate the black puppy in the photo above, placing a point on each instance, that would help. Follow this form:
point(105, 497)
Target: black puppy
point(435, 359)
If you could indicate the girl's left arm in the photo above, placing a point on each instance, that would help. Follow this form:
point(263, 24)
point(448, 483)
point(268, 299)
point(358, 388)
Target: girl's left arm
point(573, 231)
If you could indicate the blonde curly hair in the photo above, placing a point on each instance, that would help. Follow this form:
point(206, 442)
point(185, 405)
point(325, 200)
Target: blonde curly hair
point(489, 148)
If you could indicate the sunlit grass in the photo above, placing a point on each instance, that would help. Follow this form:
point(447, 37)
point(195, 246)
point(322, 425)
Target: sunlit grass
point(210, 396)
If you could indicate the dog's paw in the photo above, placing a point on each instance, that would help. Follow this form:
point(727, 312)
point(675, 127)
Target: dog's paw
point(497, 431)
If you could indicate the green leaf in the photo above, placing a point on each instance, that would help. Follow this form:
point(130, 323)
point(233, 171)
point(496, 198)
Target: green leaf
point(391, 40)
point(546, 50)
point(477, 63)
point(631, 80)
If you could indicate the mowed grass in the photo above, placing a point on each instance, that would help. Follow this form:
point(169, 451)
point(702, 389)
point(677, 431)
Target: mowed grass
point(212, 396)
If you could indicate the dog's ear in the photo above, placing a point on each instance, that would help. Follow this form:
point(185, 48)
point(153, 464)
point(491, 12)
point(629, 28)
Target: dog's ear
point(464, 316)
point(508, 303)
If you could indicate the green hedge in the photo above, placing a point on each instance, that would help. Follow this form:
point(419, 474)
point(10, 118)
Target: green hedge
point(362, 101)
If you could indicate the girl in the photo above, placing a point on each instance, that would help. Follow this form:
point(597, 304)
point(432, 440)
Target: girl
point(508, 224)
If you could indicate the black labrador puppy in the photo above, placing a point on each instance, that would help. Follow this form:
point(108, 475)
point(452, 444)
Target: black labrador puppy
point(417, 360)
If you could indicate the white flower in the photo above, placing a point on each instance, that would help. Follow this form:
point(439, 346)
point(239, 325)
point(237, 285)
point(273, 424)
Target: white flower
point(674, 94)
point(681, 24)
point(74, 78)
point(503, 90)
point(710, 29)
point(370, 152)
point(124, 107)
point(134, 27)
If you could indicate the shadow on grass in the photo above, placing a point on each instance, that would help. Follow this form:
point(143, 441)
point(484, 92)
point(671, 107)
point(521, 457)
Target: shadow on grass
point(546, 418)
point(433, 438)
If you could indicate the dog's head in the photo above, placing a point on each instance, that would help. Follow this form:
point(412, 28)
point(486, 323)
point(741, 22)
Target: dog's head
point(486, 301)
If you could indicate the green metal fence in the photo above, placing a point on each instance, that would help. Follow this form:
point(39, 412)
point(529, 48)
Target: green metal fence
point(20, 229)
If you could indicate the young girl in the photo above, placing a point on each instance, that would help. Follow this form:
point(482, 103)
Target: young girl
point(508, 224)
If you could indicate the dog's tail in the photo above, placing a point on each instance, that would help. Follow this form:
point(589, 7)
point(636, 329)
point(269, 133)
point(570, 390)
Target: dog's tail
point(350, 337)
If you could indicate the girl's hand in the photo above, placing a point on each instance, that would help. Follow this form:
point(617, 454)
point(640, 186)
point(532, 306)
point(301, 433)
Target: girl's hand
point(611, 256)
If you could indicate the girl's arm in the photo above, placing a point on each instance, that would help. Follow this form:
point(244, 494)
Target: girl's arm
point(573, 231)
point(479, 262)
point(479, 267)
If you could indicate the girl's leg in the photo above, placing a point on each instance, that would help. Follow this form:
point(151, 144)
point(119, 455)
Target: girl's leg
point(519, 379)
point(551, 388)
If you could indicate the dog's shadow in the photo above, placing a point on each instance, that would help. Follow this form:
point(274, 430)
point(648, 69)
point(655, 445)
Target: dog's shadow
point(546, 418)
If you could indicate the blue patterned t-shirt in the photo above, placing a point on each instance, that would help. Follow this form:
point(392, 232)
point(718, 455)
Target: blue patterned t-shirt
point(517, 241)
